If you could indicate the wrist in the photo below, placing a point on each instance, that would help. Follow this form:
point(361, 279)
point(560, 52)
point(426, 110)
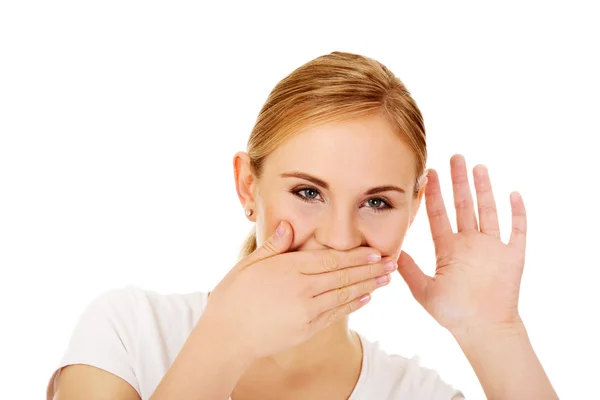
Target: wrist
point(217, 339)
point(206, 367)
point(497, 332)
point(504, 361)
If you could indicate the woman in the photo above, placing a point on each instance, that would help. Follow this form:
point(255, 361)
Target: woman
point(333, 178)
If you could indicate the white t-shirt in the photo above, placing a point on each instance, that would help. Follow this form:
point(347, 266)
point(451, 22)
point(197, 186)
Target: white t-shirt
point(136, 334)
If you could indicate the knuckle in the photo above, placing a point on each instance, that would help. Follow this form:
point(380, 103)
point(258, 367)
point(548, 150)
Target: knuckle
point(460, 178)
point(329, 261)
point(342, 295)
point(437, 212)
point(344, 276)
point(483, 186)
point(367, 286)
point(332, 316)
point(372, 272)
point(487, 209)
point(462, 204)
point(518, 230)
point(349, 308)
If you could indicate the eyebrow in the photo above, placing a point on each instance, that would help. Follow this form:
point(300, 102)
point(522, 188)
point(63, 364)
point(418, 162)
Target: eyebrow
point(385, 188)
point(325, 185)
point(307, 177)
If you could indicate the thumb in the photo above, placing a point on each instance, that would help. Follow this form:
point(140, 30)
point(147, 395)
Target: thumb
point(414, 277)
point(279, 242)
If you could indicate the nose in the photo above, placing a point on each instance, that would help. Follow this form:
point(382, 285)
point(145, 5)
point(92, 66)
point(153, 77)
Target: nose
point(339, 230)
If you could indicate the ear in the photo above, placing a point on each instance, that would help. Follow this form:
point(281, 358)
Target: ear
point(419, 198)
point(245, 181)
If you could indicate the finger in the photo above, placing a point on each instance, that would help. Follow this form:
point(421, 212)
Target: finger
point(328, 317)
point(279, 242)
point(343, 277)
point(486, 204)
point(414, 277)
point(436, 210)
point(337, 297)
point(320, 261)
point(519, 221)
point(463, 199)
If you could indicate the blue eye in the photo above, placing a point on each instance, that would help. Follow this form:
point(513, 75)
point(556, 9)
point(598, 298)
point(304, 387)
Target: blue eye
point(375, 203)
point(312, 195)
point(308, 194)
point(378, 204)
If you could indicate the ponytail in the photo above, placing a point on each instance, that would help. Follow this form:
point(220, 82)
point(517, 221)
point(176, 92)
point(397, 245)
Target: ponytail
point(249, 244)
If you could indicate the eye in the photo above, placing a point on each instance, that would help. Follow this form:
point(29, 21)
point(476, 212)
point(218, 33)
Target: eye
point(377, 204)
point(308, 194)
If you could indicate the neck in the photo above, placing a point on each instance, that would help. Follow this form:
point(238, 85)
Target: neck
point(332, 355)
point(334, 345)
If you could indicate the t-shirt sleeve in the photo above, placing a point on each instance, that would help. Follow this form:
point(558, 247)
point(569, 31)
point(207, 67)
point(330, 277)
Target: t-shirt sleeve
point(426, 383)
point(104, 337)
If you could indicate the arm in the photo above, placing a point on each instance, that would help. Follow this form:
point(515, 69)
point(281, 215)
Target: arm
point(96, 364)
point(268, 302)
point(506, 364)
point(81, 381)
point(206, 368)
point(475, 290)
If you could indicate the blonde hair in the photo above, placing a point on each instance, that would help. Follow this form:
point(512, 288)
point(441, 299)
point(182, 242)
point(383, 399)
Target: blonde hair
point(331, 88)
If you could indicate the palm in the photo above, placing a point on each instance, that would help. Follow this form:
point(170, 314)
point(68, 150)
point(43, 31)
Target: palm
point(477, 276)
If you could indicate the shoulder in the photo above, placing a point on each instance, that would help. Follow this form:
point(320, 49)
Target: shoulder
point(127, 312)
point(131, 299)
point(132, 333)
point(400, 377)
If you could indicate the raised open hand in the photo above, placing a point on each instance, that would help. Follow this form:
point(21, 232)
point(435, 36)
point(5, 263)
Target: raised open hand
point(477, 277)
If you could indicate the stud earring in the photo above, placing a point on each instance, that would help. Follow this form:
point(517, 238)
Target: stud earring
point(249, 212)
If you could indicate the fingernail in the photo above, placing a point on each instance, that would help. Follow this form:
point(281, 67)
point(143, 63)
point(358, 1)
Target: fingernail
point(374, 257)
point(382, 279)
point(365, 298)
point(280, 230)
point(389, 266)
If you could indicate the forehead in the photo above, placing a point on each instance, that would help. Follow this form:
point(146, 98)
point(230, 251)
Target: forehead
point(358, 149)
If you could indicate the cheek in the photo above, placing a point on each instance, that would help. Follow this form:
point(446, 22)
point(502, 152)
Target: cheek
point(386, 233)
point(299, 215)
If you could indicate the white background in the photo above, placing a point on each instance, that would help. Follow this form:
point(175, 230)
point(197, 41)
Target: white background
point(119, 120)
